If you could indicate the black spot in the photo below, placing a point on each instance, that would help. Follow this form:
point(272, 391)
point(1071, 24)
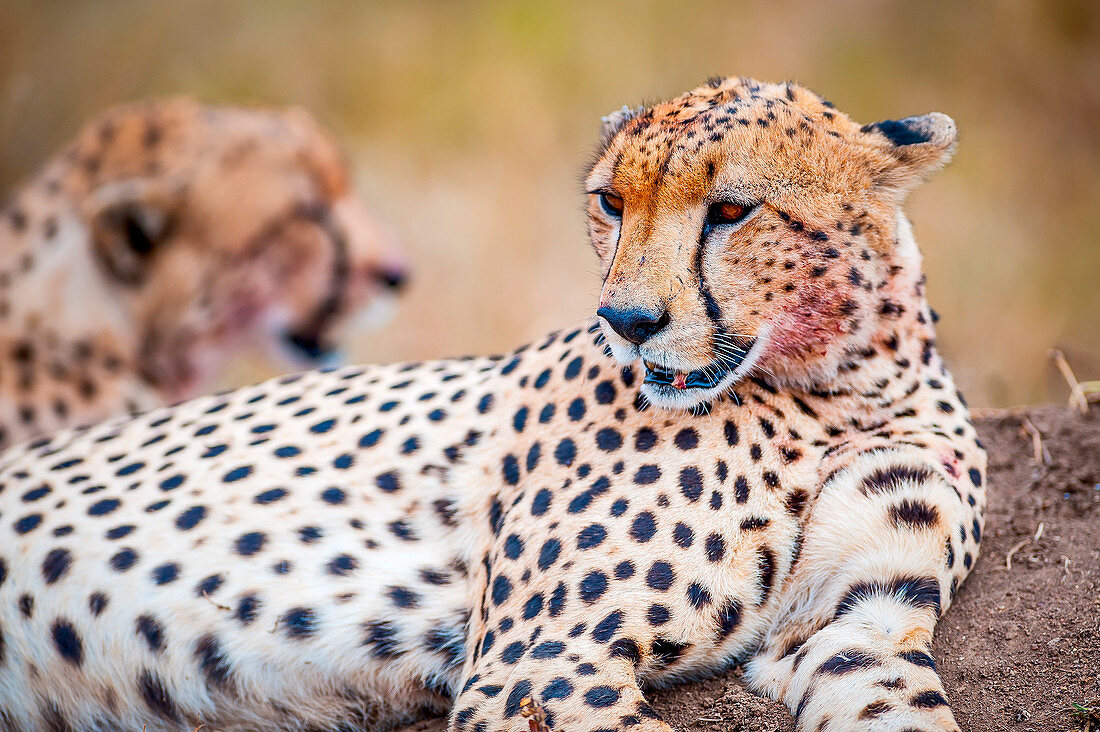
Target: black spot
point(605, 392)
point(891, 478)
point(388, 482)
point(698, 595)
point(732, 436)
point(715, 548)
point(190, 518)
point(917, 591)
point(565, 452)
point(104, 507)
point(150, 629)
point(601, 696)
point(212, 660)
point(300, 622)
point(593, 586)
point(248, 608)
point(687, 439)
point(334, 496)
point(667, 652)
point(540, 504)
point(27, 523)
point(846, 662)
point(549, 553)
point(250, 543)
point(238, 473)
point(658, 615)
point(558, 688)
point(591, 536)
point(502, 589)
point(915, 514)
point(607, 627)
point(156, 696)
point(647, 474)
point(123, 560)
point(512, 652)
point(342, 565)
point(533, 606)
point(691, 483)
point(683, 535)
point(766, 569)
point(166, 573)
point(577, 409)
point(660, 576)
point(741, 489)
point(55, 566)
point(928, 700)
point(519, 692)
point(729, 617)
point(919, 658)
point(97, 603)
point(644, 527)
point(513, 547)
point(548, 649)
point(403, 597)
point(67, 642)
point(608, 439)
point(381, 638)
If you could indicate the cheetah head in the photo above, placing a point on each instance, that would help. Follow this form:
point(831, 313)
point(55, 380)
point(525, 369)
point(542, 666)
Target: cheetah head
point(217, 227)
point(750, 228)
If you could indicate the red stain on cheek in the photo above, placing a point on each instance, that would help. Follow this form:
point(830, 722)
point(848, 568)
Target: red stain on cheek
point(807, 327)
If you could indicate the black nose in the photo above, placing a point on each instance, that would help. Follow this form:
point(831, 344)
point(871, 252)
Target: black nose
point(634, 324)
point(394, 279)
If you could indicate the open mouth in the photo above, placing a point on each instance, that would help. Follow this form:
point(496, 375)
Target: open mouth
point(310, 347)
point(707, 377)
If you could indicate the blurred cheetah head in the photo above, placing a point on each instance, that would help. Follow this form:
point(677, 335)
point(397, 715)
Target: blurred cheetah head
point(203, 229)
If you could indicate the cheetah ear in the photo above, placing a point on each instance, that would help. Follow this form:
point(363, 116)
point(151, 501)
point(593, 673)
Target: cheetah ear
point(128, 221)
point(916, 146)
point(614, 122)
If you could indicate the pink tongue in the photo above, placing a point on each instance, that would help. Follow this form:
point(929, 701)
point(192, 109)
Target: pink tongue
point(679, 381)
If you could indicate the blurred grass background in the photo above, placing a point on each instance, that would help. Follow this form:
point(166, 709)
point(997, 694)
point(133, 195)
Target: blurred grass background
point(469, 125)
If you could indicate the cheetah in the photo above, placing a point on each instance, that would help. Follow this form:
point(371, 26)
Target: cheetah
point(753, 455)
point(166, 236)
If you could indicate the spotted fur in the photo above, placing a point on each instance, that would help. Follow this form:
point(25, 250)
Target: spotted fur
point(161, 239)
point(532, 538)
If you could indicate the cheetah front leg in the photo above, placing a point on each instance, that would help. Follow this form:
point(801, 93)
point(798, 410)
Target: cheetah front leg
point(543, 649)
point(887, 542)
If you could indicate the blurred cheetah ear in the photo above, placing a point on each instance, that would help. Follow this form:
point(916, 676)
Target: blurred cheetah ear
point(614, 122)
point(917, 147)
point(128, 221)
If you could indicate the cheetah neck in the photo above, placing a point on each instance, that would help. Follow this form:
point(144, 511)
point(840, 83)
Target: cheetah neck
point(887, 375)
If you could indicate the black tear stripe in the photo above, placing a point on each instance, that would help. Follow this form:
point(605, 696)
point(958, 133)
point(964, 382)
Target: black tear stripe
point(713, 311)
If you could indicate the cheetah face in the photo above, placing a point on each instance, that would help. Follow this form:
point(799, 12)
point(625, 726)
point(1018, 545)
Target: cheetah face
point(750, 229)
point(217, 228)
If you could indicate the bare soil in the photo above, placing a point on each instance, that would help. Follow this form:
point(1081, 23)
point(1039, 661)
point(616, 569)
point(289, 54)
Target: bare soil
point(1020, 647)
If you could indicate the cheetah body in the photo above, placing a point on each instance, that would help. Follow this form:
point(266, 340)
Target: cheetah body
point(165, 236)
point(341, 549)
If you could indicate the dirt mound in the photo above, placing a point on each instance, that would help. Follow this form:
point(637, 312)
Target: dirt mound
point(1020, 648)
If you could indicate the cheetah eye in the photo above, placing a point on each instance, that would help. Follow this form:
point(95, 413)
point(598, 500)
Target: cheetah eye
point(727, 213)
point(611, 204)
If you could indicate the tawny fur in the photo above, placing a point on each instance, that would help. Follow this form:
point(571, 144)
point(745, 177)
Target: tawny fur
point(537, 531)
point(165, 237)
